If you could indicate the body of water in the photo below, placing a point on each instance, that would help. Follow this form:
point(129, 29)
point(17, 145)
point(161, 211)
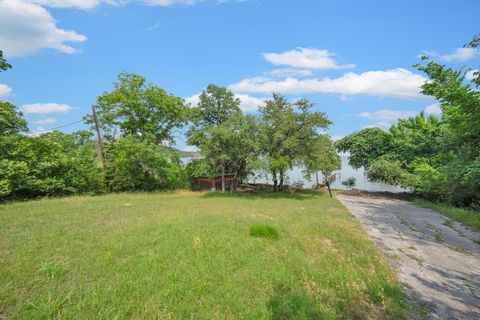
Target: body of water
point(295, 175)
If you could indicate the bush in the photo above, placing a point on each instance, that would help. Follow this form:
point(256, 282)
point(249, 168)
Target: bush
point(140, 165)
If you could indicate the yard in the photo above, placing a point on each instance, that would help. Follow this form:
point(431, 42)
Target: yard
point(191, 256)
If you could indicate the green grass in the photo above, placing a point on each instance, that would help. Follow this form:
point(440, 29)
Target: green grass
point(470, 218)
point(191, 256)
point(264, 231)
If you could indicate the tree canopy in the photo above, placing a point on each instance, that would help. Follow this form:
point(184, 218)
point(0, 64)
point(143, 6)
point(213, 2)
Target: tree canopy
point(135, 107)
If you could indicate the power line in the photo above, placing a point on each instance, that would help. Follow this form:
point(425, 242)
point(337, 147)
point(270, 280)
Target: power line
point(59, 127)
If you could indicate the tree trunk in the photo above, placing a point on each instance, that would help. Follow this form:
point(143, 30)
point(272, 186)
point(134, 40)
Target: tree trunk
point(223, 178)
point(275, 181)
point(280, 186)
point(316, 174)
point(328, 186)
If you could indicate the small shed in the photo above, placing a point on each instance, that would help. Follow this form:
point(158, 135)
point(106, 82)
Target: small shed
point(215, 183)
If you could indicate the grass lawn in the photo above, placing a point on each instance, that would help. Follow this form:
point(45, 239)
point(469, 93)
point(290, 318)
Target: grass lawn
point(191, 256)
point(469, 218)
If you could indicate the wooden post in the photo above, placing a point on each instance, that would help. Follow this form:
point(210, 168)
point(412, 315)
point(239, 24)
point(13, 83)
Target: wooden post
point(101, 150)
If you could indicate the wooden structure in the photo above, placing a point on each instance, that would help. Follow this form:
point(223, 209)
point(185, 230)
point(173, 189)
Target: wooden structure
point(211, 184)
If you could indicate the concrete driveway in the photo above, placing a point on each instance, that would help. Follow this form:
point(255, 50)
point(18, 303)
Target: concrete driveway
point(437, 259)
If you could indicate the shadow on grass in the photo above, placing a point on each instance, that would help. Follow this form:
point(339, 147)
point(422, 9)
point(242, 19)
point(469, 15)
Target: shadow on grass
point(289, 303)
point(297, 195)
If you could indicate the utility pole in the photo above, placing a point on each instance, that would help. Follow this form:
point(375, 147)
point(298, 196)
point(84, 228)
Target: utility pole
point(101, 150)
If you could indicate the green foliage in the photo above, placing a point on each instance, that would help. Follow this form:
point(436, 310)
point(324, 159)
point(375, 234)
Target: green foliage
point(226, 137)
point(134, 165)
point(3, 63)
point(50, 165)
point(135, 107)
point(438, 158)
point(364, 146)
point(11, 120)
point(320, 155)
point(284, 130)
point(263, 231)
point(350, 182)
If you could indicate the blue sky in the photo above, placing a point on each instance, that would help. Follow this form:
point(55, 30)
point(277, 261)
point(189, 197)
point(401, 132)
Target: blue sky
point(353, 59)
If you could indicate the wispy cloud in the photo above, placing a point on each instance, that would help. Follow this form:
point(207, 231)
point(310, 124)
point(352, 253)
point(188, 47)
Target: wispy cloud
point(307, 58)
point(458, 55)
point(43, 108)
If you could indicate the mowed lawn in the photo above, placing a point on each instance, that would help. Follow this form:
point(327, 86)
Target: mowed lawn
point(191, 256)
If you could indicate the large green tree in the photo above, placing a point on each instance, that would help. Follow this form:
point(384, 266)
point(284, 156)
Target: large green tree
point(217, 124)
point(135, 107)
point(216, 105)
point(285, 129)
point(231, 146)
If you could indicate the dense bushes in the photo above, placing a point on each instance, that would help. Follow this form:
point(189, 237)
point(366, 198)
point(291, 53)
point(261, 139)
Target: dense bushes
point(140, 165)
point(49, 165)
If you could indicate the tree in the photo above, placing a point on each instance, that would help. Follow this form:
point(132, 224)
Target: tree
point(231, 146)
point(350, 183)
point(135, 107)
point(285, 128)
point(3, 63)
point(11, 120)
point(321, 156)
point(135, 164)
point(209, 132)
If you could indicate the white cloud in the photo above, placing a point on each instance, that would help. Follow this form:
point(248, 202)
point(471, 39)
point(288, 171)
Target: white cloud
point(382, 125)
point(289, 72)
point(433, 109)
point(79, 4)
point(399, 83)
point(5, 90)
point(26, 28)
point(459, 54)
point(45, 121)
point(337, 137)
point(247, 103)
point(470, 74)
point(305, 58)
point(388, 115)
point(90, 4)
point(45, 108)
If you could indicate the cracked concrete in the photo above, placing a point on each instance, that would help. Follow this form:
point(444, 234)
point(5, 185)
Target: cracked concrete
point(437, 260)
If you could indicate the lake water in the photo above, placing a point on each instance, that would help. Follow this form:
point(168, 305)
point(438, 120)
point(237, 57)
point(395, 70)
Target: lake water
point(346, 172)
